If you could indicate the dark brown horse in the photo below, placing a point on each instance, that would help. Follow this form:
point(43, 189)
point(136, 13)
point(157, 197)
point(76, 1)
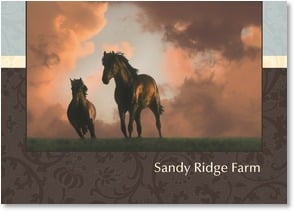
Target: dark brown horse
point(81, 112)
point(133, 92)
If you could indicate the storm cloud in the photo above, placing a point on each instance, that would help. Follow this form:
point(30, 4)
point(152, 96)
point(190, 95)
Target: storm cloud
point(199, 26)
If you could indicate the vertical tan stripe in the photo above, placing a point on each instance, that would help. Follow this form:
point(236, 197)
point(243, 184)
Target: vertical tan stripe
point(13, 61)
point(274, 61)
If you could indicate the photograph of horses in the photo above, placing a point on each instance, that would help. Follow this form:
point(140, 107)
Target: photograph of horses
point(144, 76)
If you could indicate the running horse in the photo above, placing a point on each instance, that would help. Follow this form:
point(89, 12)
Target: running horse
point(133, 92)
point(81, 112)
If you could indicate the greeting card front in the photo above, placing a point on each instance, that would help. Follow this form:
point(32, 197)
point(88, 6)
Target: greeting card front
point(144, 102)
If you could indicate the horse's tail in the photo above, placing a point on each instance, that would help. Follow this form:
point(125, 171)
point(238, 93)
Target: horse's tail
point(161, 109)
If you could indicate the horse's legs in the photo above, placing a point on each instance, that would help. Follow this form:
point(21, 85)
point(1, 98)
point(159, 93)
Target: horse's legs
point(138, 122)
point(91, 128)
point(122, 122)
point(132, 118)
point(155, 109)
point(79, 131)
point(130, 126)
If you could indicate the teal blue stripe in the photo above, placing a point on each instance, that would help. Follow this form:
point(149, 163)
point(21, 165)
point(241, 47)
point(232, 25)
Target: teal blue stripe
point(274, 28)
point(13, 28)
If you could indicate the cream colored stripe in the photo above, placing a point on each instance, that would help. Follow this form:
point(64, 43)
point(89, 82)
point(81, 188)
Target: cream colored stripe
point(274, 62)
point(13, 61)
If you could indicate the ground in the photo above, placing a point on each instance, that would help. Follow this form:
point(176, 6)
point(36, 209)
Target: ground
point(234, 144)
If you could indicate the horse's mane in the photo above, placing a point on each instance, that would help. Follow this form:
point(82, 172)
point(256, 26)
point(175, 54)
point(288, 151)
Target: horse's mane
point(122, 58)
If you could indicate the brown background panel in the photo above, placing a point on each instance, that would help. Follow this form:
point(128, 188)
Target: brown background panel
point(110, 177)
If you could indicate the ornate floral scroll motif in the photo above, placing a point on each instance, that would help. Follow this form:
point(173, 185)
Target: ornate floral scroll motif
point(16, 93)
point(7, 76)
point(207, 194)
point(42, 160)
point(275, 107)
point(69, 178)
point(268, 192)
point(101, 157)
point(10, 123)
point(25, 186)
point(21, 94)
point(16, 83)
point(275, 110)
point(20, 183)
point(118, 177)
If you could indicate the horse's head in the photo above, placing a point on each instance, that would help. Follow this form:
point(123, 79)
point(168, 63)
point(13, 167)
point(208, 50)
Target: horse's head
point(111, 67)
point(78, 86)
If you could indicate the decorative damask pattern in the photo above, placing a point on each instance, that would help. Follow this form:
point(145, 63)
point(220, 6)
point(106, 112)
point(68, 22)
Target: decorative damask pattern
point(113, 177)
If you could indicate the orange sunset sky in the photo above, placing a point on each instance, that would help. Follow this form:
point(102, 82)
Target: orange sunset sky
point(204, 56)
